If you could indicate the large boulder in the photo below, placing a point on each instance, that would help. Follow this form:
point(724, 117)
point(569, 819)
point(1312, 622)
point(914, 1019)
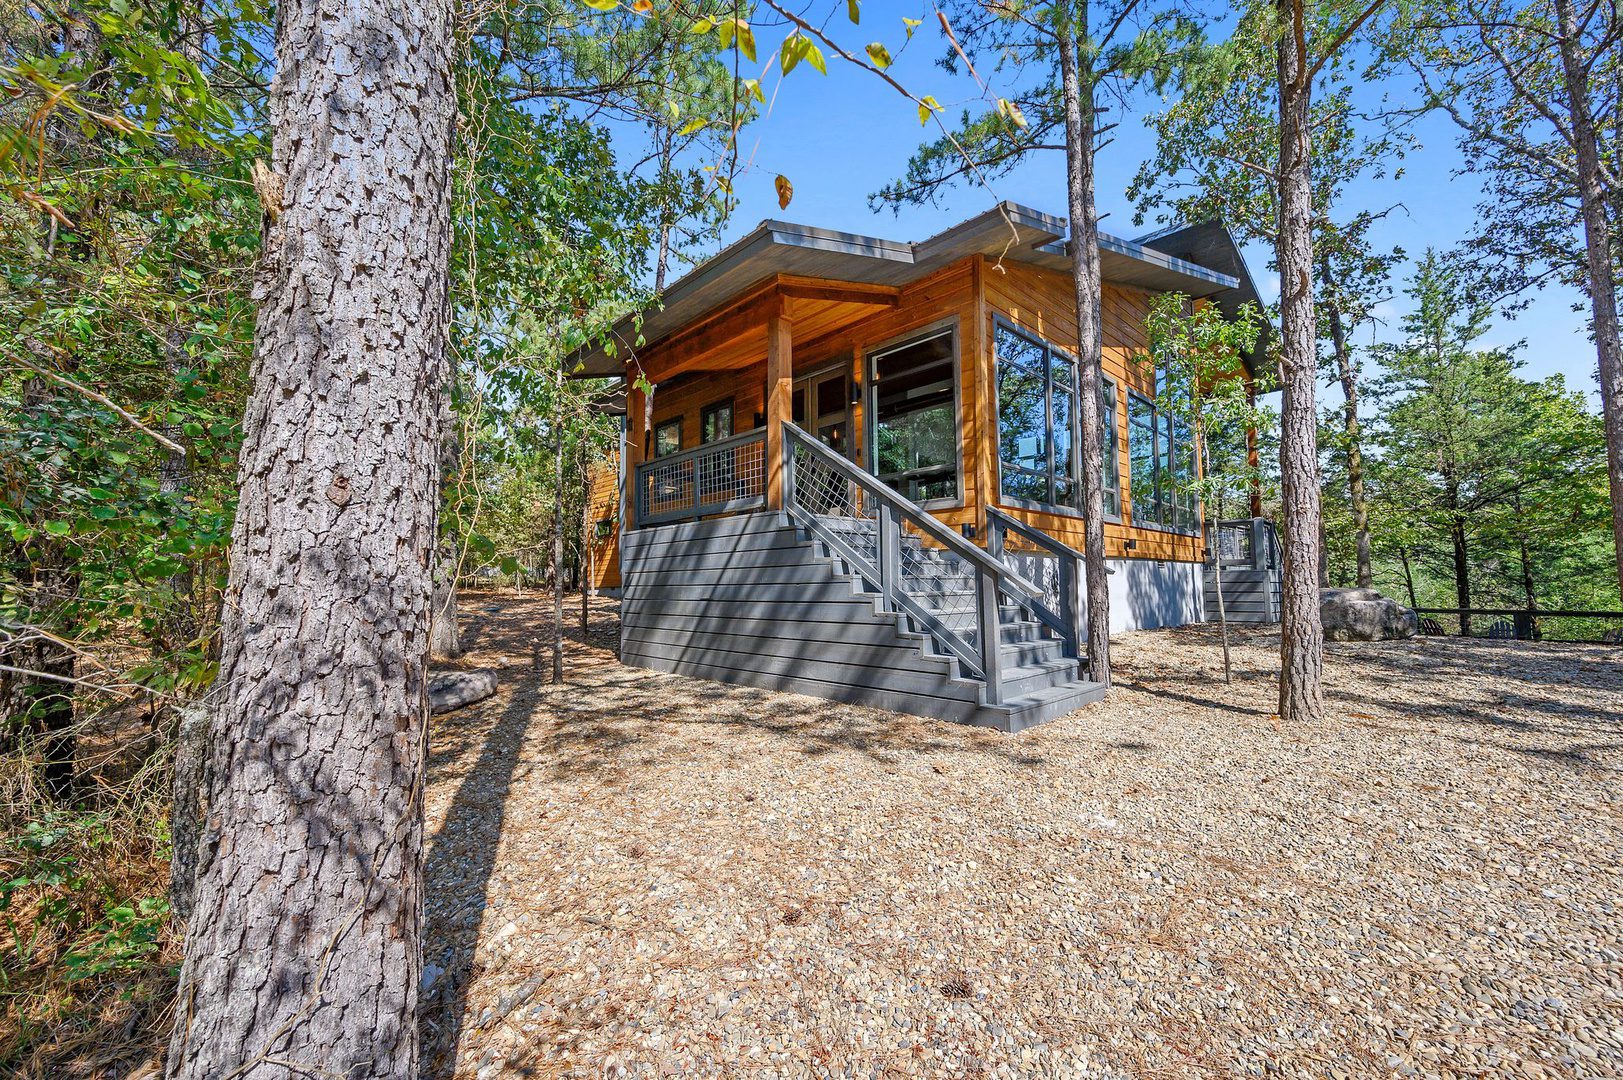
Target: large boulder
point(1364, 615)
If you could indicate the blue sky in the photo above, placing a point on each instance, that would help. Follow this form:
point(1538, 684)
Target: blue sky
point(841, 137)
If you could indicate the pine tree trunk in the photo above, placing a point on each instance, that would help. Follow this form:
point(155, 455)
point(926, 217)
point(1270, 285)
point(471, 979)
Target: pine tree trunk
point(558, 533)
point(1408, 577)
point(1355, 451)
point(1602, 281)
point(1301, 695)
point(303, 954)
point(1085, 275)
point(1462, 574)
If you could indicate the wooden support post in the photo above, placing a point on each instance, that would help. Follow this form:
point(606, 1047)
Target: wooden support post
point(636, 423)
point(779, 399)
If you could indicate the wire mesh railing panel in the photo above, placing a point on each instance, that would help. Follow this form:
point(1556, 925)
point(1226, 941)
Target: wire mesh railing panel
point(717, 478)
point(667, 488)
point(943, 583)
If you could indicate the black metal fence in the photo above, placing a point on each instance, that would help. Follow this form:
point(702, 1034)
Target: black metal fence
point(1523, 624)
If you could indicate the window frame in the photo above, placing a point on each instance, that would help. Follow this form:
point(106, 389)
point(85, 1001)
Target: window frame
point(1168, 507)
point(676, 422)
point(871, 355)
point(710, 410)
point(1107, 414)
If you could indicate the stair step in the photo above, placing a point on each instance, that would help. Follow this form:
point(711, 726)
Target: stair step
point(1047, 704)
point(1029, 678)
point(1038, 651)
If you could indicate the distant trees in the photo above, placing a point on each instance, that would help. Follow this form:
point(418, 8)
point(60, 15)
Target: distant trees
point(1487, 478)
point(1536, 89)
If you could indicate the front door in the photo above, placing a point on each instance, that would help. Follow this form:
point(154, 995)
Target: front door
point(822, 405)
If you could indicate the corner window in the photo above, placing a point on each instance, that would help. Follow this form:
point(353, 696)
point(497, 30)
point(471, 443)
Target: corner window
point(668, 437)
point(1038, 422)
point(716, 421)
point(1161, 455)
point(915, 418)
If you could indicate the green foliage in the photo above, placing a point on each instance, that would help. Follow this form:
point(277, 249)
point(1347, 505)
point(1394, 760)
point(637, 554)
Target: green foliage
point(1472, 458)
point(1014, 46)
point(1195, 362)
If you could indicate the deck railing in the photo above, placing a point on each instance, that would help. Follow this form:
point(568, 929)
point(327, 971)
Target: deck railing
point(920, 567)
point(1061, 616)
point(1243, 543)
point(721, 477)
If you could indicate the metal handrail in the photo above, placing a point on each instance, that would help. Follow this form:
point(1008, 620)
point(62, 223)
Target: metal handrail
point(695, 505)
point(993, 578)
point(1063, 622)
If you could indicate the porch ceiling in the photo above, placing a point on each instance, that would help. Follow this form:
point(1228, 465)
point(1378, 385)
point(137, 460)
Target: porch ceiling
point(735, 337)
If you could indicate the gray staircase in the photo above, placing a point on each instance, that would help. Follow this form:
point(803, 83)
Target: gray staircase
point(1038, 680)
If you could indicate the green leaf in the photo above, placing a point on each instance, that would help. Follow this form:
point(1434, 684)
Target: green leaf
point(879, 55)
point(853, 8)
point(794, 47)
point(814, 57)
point(927, 104)
point(912, 25)
point(693, 125)
point(58, 528)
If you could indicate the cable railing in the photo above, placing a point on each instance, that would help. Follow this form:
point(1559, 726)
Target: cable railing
point(722, 477)
point(919, 567)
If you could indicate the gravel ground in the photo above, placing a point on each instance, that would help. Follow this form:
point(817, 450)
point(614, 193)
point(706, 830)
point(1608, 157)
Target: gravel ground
point(638, 874)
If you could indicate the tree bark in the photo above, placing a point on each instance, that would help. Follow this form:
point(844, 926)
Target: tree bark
point(1598, 261)
point(1355, 452)
point(558, 530)
point(1301, 695)
point(1408, 576)
point(303, 955)
point(1462, 573)
point(1085, 276)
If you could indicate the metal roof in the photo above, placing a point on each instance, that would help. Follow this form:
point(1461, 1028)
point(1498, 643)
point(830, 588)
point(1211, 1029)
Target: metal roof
point(1007, 231)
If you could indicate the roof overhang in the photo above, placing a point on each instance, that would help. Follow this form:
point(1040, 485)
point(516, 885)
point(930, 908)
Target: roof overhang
point(784, 249)
point(1209, 243)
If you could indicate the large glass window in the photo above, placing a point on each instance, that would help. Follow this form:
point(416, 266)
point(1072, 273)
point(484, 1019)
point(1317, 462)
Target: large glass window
point(915, 423)
point(1161, 455)
point(1112, 471)
point(1038, 425)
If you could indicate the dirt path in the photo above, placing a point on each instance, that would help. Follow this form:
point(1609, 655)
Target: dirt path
point(644, 875)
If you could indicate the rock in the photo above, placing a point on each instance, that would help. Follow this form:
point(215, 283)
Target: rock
point(449, 690)
point(1364, 615)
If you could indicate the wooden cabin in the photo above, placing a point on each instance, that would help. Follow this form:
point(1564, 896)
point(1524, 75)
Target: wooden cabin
point(849, 466)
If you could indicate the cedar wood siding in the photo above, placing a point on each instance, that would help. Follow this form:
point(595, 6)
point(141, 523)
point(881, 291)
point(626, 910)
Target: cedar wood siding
point(969, 294)
point(603, 554)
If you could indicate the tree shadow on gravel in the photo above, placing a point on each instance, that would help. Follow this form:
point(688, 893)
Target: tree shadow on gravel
point(461, 860)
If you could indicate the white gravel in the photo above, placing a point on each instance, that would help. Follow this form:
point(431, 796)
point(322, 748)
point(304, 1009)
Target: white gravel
point(643, 875)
